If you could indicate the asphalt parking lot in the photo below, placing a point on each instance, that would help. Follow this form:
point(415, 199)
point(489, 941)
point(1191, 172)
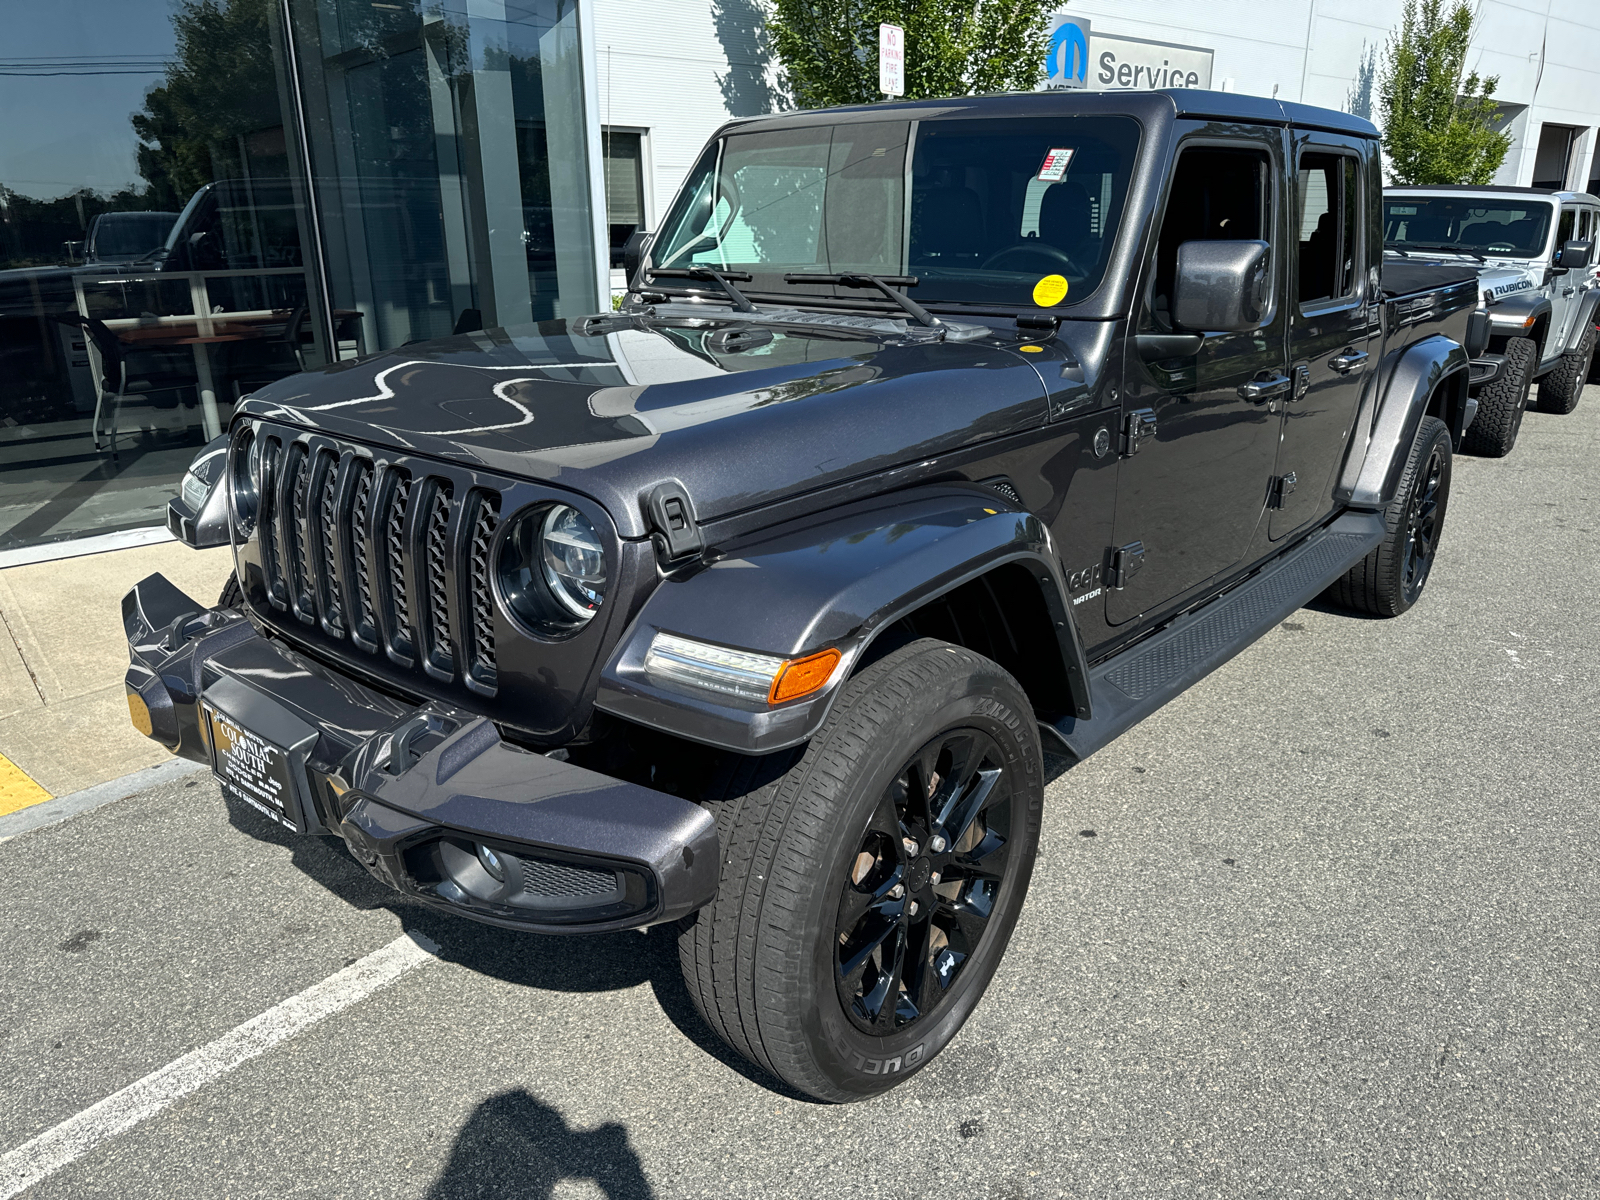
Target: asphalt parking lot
point(1325, 925)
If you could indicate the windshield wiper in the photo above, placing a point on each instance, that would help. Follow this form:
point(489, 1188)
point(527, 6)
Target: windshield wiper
point(707, 275)
point(1448, 250)
point(885, 284)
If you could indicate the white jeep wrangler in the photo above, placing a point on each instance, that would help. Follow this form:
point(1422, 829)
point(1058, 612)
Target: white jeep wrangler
point(1535, 254)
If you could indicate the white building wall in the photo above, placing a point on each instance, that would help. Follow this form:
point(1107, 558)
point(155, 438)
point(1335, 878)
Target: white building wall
point(1327, 52)
point(679, 68)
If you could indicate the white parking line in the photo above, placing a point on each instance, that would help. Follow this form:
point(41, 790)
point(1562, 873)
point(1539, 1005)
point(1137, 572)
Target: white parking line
point(46, 1154)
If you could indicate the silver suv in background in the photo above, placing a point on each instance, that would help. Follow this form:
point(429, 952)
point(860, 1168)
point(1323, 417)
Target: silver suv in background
point(1534, 251)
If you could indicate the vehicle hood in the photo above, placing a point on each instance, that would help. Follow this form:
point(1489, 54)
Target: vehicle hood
point(610, 407)
point(1499, 276)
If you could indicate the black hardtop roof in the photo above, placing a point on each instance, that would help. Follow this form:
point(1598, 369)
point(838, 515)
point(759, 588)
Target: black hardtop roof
point(1144, 105)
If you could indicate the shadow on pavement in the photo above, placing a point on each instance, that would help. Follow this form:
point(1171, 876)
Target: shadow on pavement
point(577, 964)
point(516, 1147)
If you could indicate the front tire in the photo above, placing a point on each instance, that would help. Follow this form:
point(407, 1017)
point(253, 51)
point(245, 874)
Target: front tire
point(1493, 431)
point(232, 594)
point(871, 883)
point(1390, 579)
point(1560, 390)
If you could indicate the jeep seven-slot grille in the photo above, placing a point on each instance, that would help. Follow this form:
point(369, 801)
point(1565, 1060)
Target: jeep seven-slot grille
point(352, 552)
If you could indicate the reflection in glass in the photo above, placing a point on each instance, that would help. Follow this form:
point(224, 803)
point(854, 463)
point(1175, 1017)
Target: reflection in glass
point(448, 148)
point(150, 252)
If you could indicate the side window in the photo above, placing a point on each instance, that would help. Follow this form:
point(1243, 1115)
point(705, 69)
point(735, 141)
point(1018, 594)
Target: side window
point(1217, 195)
point(1565, 230)
point(1329, 200)
point(1583, 224)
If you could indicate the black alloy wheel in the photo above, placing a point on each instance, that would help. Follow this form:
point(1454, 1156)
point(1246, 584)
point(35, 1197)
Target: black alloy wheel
point(922, 887)
point(1424, 517)
point(1389, 580)
point(872, 878)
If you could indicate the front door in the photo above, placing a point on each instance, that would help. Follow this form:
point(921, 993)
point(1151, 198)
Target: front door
point(1192, 484)
point(1331, 328)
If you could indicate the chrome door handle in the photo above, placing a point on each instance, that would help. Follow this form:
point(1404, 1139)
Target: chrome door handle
point(1348, 361)
point(1265, 389)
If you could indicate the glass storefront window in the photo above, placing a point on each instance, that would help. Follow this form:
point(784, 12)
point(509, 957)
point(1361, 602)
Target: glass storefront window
point(151, 267)
point(448, 148)
point(200, 196)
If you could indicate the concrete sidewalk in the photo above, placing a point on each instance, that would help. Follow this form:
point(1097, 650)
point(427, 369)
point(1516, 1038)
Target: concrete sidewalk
point(63, 713)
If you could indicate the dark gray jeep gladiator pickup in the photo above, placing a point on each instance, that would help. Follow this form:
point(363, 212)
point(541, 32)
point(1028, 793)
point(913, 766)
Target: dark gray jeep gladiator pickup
point(931, 438)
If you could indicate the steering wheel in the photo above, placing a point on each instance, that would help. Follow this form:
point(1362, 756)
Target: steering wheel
point(1037, 250)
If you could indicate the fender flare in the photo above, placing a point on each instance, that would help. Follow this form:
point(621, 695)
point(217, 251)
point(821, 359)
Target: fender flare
point(1371, 474)
point(1516, 315)
point(838, 581)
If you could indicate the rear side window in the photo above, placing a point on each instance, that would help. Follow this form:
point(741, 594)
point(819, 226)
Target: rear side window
point(1328, 202)
point(1218, 194)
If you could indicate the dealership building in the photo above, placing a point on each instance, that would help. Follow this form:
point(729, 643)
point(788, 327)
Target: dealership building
point(199, 196)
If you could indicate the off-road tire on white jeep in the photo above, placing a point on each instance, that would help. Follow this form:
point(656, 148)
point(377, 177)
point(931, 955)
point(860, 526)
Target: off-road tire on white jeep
point(1560, 390)
point(232, 594)
point(815, 844)
point(1501, 404)
point(1390, 580)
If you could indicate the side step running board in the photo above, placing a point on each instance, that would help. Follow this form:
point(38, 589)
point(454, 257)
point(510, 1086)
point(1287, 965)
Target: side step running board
point(1128, 688)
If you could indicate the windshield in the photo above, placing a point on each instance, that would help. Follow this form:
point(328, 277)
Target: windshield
point(1473, 225)
point(997, 209)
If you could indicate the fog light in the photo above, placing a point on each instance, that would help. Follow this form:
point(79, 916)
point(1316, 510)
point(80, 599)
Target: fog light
point(491, 863)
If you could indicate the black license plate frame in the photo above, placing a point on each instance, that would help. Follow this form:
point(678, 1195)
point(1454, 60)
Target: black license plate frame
point(258, 751)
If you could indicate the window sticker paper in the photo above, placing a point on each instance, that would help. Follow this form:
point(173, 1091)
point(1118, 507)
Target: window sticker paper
point(1054, 167)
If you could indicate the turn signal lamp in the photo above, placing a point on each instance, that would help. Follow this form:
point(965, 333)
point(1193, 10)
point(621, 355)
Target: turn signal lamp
point(757, 678)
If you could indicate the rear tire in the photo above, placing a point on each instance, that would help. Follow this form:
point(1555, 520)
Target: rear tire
point(1560, 391)
point(232, 594)
point(1390, 580)
point(926, 779)
point(1501, 404)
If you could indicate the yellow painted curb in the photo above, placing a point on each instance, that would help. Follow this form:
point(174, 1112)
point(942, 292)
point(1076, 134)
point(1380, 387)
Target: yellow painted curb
point(17, 788)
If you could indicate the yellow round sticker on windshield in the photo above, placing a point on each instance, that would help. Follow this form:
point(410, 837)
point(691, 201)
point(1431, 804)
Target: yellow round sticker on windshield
point(1050, 291)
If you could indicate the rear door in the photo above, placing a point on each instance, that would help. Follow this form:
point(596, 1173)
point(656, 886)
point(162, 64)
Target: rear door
point(1331, 327)
point(1191, 487)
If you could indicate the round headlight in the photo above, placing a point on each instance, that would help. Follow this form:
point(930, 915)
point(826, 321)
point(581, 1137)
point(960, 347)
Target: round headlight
point(553, 568)
point(245, 480)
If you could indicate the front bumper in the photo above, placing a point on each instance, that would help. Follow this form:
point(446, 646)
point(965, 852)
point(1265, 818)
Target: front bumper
point(415, 790)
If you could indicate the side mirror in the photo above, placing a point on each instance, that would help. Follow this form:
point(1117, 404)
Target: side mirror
point(1574, 256)
point(633, 254)
point(1221, 286)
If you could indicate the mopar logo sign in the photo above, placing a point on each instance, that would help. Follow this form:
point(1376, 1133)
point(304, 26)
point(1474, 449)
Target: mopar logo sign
point(1066, 63)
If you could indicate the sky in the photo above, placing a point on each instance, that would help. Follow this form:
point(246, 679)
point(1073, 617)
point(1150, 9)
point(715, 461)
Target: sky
point(62, 131)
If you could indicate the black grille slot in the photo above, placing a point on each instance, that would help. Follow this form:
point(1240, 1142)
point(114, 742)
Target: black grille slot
point(541, 877)
point(267, 521)
point(435, 555)
point(481, 661)
point(394, 562)
point(327, 565)
point(364, 617)
point(297, 546)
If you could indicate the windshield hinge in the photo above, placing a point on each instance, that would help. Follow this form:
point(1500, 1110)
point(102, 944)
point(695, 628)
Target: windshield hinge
point(1138, 427)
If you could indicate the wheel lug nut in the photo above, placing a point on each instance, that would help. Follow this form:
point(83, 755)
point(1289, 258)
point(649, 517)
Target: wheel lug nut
point(911, 847)
point(935, 878)
point(897, 891)
point(937, 845)
point(913, 909)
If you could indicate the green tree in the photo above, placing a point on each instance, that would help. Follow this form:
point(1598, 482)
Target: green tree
point(829, 48)
point(219, 95)
point(1437, 118)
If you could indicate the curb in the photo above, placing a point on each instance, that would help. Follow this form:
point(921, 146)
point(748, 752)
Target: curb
point(53, 812)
